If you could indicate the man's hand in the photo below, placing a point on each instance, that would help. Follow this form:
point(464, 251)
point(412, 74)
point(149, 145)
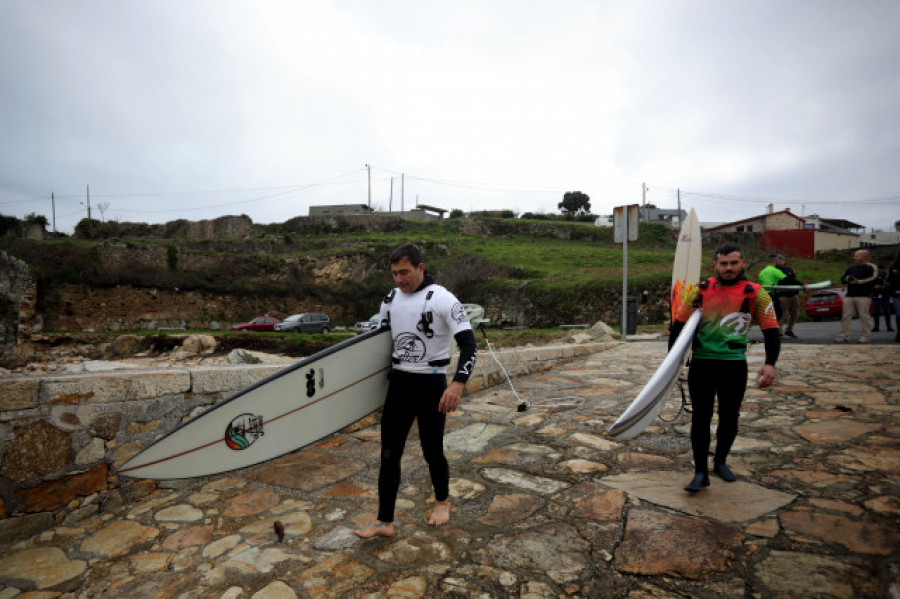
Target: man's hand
point(451, 397)
point(766, 376)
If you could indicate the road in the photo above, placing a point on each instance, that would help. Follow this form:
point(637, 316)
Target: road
point(826, 332)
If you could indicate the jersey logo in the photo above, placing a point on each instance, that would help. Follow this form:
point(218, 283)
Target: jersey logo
point(457, 313)
point(409, 347)
point(739, 322)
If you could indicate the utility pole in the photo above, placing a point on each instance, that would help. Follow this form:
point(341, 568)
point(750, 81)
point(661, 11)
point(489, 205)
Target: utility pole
point(89, 201)
point(402, 190)
point(53, 209)
point(643, 201)
point(391, 199)
point(369, 171)
point(679, 208)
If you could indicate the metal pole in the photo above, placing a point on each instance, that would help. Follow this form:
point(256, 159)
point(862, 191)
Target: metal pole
point(369, 172)
point(53, 205)
point(624, 272)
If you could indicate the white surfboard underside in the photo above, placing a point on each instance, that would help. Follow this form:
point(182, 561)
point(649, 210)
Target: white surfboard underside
point(650, 401)
point(297, 406)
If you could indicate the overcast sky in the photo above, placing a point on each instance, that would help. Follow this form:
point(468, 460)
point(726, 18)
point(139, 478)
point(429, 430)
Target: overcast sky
point(195, 109)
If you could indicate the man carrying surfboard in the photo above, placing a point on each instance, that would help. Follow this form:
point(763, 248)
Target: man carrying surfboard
point(718, 369)
point(423, 317)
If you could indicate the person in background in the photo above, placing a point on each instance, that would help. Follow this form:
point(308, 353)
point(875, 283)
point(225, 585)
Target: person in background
point(881, 301)
point(772, 275)
point(859, 279)
point(788, 299)
point(893, 291)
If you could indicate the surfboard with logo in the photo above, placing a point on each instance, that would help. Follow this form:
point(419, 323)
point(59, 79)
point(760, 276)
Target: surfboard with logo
point(297, 406)
point(811, 286)
point(686, 266)
point(644, 409)
point(650, 401)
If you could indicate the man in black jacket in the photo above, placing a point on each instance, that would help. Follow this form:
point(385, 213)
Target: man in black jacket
point(881, 301)
point(788, 299)
point(860, 280)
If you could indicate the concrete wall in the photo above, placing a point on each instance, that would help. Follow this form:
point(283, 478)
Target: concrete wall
point(826, 240)
point(63, 436)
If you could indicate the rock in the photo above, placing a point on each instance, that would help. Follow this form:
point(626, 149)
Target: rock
point(36, 451)
point(601, 331)
point(106, 426)
point(557, 549)
point(275, 590)
point(92, 453)
point(19, 393)
point(16, 529)
point(654, 544)
point(124, 346)
point(54, 494)
point(119, 538)
point(43, 567)
point(242, 356)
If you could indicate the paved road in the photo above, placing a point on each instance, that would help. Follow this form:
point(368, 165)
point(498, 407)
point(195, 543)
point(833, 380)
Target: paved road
point(826, 332)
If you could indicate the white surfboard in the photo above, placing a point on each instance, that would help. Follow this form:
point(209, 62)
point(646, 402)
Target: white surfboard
point(686, 266)
point(811, 286)
point(650, 401)
point(297, 406)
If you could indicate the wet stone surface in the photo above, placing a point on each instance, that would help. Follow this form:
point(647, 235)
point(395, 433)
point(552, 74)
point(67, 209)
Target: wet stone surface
point(544, 503)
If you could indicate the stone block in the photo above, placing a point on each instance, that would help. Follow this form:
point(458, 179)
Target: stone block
point(19, 393)
point(54, 494)
point(229, 379)
point(25, 527)
point(115, 386)
point(36, 451)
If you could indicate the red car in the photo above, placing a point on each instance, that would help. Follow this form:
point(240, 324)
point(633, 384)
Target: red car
point(262, 323)
point(828, 302)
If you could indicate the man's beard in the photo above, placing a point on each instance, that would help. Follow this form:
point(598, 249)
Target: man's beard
point(739, 277)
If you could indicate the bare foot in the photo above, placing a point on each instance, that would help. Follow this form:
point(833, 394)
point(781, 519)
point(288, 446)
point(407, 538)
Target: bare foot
point(379, 529)
point(440, 515)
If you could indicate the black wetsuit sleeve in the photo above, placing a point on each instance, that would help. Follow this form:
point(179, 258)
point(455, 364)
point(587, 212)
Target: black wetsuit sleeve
point(468, 353)
point(676, 329)
point(772, 341)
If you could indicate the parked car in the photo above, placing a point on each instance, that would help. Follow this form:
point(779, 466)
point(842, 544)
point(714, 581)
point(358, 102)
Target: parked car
point(261, 323)
point(307, 322)
point(828, 302)
point(366, 325)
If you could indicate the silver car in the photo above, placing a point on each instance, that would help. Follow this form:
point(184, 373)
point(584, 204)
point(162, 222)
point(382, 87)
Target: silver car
point(307, 322)
point(366, 325)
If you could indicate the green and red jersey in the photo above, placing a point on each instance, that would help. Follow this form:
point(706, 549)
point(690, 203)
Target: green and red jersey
point(728, 313)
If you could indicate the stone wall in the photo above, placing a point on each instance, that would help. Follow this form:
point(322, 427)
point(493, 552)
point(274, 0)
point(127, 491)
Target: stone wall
point(18, 294)
point(63, 436)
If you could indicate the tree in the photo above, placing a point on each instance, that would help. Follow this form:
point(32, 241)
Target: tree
point(36, 219)
point(575, 202)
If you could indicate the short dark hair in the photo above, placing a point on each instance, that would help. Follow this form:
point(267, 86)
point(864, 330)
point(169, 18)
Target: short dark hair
point(409, 251)
point(728, 248)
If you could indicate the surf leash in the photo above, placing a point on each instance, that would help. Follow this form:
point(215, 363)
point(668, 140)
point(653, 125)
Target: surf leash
point(685, 404)
point(523, 405)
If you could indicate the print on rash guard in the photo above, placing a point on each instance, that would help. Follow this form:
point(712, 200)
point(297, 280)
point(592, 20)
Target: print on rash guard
point(724, 328)
point(423, 325)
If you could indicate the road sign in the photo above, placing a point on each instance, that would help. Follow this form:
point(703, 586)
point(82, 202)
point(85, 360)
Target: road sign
point(626, 218)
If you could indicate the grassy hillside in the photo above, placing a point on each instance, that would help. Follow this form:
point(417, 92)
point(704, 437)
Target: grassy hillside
point(556, 266)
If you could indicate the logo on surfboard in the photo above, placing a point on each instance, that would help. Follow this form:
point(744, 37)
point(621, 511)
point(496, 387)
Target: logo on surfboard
point(243, 431)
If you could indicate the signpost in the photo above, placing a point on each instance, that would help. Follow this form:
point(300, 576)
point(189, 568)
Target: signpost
point(625, 229)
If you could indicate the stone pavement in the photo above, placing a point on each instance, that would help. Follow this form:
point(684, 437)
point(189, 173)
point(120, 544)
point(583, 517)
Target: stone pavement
point(544, 504)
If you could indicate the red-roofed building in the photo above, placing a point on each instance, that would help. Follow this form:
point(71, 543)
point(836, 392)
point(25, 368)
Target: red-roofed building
point(793, 235)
